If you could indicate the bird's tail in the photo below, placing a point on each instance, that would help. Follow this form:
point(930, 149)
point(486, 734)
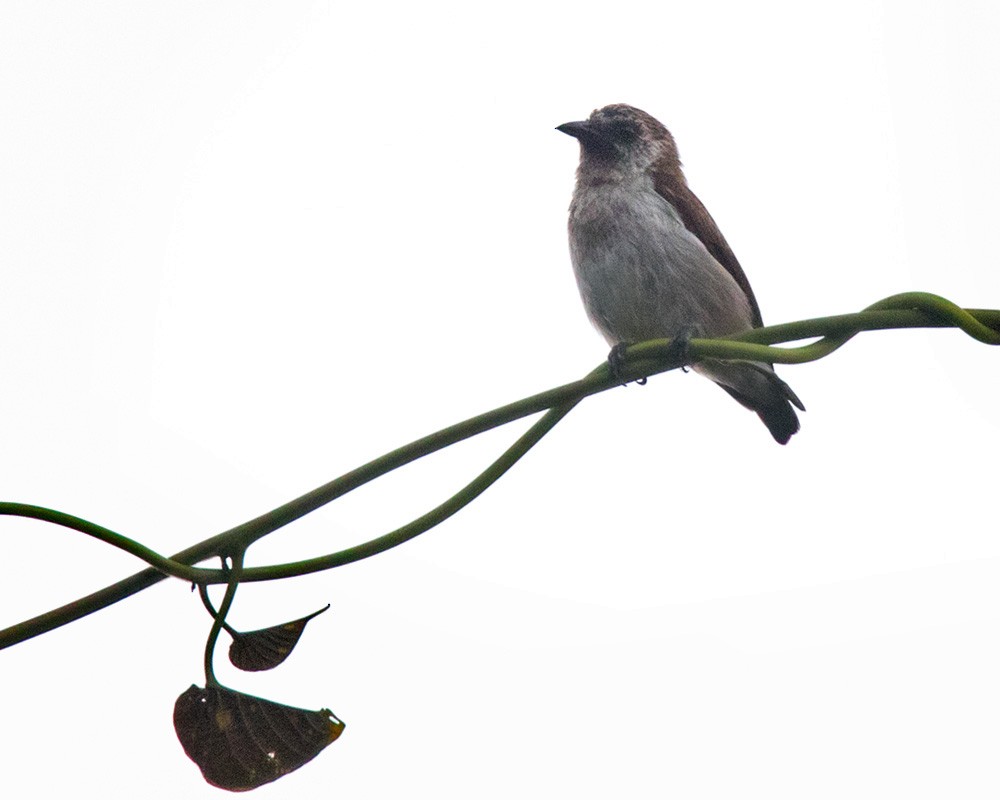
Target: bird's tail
point(757, 387)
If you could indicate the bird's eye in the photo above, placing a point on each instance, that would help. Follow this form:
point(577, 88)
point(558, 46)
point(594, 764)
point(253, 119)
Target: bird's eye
point(623, 131)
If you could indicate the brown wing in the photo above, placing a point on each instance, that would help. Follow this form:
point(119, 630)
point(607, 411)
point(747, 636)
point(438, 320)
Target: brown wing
point(697, 220)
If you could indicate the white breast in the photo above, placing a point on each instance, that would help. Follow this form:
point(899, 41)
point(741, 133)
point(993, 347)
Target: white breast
point(641, 273)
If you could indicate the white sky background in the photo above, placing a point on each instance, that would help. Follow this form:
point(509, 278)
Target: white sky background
point(246, 247)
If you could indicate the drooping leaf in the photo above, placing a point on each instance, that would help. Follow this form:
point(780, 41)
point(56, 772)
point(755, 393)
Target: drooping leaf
point(241, 742)
point(253, 651)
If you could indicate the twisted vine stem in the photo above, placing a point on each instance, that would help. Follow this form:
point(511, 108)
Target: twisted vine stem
point(909, 310)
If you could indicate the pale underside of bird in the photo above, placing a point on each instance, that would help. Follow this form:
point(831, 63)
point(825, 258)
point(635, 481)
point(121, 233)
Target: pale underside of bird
point(651, 263)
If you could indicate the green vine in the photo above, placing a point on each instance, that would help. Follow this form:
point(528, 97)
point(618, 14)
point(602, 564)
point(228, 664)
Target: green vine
point(909, 310)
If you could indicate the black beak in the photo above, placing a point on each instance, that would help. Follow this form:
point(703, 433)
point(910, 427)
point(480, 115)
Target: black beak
point(591, 137)
point(578, 130)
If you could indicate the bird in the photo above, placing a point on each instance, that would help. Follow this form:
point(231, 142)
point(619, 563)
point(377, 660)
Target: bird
point(651, 263)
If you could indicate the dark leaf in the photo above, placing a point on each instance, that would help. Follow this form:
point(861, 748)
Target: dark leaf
point(241, 742)
point(265, 649)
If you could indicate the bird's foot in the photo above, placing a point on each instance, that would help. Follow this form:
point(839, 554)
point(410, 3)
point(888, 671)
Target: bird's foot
point(679, 350)
point(616, 363)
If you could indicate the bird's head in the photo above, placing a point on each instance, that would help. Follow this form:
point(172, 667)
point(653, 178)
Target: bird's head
point(620, 139)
